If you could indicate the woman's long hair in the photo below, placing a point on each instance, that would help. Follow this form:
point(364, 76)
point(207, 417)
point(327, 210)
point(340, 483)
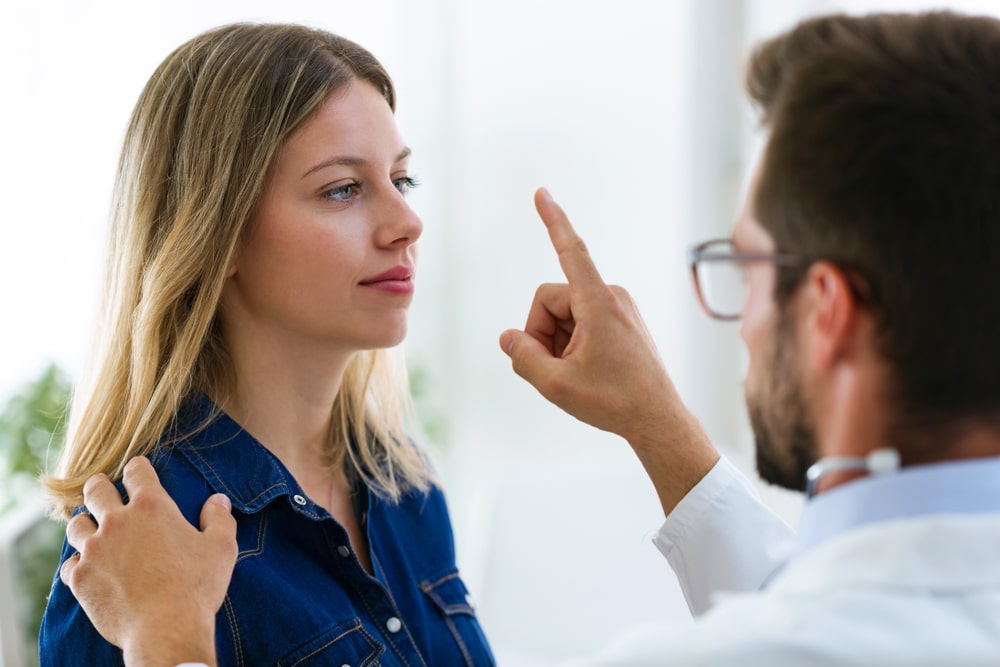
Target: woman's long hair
point(204, 131)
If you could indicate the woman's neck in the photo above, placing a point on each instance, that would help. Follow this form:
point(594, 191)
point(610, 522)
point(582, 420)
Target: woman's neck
point(284, 397)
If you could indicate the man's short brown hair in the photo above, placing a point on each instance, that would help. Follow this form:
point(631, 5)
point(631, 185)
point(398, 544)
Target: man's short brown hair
point(884, 158)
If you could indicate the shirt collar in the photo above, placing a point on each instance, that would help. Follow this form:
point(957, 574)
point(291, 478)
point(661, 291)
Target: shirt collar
point(233, 462)
point(955, 487)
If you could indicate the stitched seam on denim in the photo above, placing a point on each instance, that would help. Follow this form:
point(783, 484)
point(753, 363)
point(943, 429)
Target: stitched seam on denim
point(222, 482)
point(428, 589)
point(234, 630)
point(379, 649)
point(458, 639)
point(356, 627)
point(426, 586)
point(186, 441)
point(261, 530)
point(364, 600)
point(395, 607)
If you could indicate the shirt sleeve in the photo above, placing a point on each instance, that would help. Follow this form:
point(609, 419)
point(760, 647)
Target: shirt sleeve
point(722, 538)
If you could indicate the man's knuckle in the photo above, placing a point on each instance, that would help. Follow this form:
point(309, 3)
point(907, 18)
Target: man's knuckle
point(142, 500)
point(615, 293)
point(558, 387)
point(94, 481)
point(517, 357)
point(618, 299)
point(227, 545)
point(574, 246)
point(578, 244)
point(545, 289)
point(111, 522)
point(68, 571)
point(135, 463)
point(78, 523)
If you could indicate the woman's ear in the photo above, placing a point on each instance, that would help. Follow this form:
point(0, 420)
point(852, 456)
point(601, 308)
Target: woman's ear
point(233, 264)
point(831, 316)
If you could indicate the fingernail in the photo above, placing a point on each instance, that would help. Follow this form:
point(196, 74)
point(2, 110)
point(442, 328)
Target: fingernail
point(546, 194)
point(222, 499)
point(506, 342)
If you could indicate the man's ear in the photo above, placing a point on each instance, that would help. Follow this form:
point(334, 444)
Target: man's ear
point(831, 314)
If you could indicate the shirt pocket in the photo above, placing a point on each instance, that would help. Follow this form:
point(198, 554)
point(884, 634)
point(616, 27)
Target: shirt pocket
point(452, 600)
point(347, 643)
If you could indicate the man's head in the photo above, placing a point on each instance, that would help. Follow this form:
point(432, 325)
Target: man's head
point(883, 168)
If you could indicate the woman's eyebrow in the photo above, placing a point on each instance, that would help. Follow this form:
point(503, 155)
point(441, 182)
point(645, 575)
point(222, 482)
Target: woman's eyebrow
point(353, 161)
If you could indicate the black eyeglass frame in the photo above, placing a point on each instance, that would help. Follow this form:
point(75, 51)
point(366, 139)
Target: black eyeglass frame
point(703, 253)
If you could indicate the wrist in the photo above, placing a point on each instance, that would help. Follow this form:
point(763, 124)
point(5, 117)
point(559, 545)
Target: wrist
point(171, 645)
point(676, 453)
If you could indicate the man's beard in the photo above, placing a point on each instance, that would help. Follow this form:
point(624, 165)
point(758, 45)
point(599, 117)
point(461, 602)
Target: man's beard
point(782, 425)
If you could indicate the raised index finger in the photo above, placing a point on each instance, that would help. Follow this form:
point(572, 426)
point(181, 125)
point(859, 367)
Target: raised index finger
point(572, 251)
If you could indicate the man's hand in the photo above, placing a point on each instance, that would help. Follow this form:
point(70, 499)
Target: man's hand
point(586, 348)
point(150, 582)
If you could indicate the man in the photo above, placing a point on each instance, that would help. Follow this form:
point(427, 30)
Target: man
point(861, 270)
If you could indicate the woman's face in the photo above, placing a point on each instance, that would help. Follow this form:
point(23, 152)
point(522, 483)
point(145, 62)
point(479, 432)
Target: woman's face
point(330, 253)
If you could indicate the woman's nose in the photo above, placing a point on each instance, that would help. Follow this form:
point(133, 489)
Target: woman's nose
point(399, 225)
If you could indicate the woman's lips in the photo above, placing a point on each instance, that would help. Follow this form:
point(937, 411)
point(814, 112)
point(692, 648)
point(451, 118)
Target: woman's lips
point(397, 280)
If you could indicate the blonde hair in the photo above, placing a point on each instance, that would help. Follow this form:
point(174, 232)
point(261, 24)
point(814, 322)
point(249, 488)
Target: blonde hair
point(201, 138)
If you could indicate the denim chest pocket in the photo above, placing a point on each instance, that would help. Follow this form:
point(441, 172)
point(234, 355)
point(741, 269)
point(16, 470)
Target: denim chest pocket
point(452, 600)
point(347, 643)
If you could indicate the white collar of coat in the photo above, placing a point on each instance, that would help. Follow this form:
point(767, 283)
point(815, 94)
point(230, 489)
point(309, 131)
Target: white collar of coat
point(941, 552)
point(954, 487)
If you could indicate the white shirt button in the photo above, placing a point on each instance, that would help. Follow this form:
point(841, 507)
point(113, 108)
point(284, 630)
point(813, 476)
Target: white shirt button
point(299, 500)
point(393, 625)
point(343, 551)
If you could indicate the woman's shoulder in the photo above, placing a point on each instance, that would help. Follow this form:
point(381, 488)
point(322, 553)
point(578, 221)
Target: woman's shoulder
point(417, 511)
point(185, 484)
point(199, 454)
point(216, 455)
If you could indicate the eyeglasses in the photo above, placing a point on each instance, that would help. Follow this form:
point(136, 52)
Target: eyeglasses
point(719, 273)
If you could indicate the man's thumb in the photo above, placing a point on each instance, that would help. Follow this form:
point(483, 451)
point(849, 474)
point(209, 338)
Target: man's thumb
point(527, 355)
point(222, 500)
point(216, 514)
point(507, 339)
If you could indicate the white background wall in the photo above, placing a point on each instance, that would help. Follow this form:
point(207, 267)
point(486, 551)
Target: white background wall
point(630, 112)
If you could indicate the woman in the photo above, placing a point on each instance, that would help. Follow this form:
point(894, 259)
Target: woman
point(262, 257)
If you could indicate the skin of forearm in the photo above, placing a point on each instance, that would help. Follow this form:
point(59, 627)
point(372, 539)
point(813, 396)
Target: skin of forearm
point(676, 453)
point(171, 643)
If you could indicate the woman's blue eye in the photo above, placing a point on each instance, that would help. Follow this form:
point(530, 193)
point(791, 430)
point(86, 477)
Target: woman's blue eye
point(341, 193)
point(405, 184)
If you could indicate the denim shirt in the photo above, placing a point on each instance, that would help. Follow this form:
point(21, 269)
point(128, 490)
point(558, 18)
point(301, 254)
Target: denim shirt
point(299, 595)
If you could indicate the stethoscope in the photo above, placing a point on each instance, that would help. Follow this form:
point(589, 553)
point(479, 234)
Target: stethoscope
point(877, 462)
